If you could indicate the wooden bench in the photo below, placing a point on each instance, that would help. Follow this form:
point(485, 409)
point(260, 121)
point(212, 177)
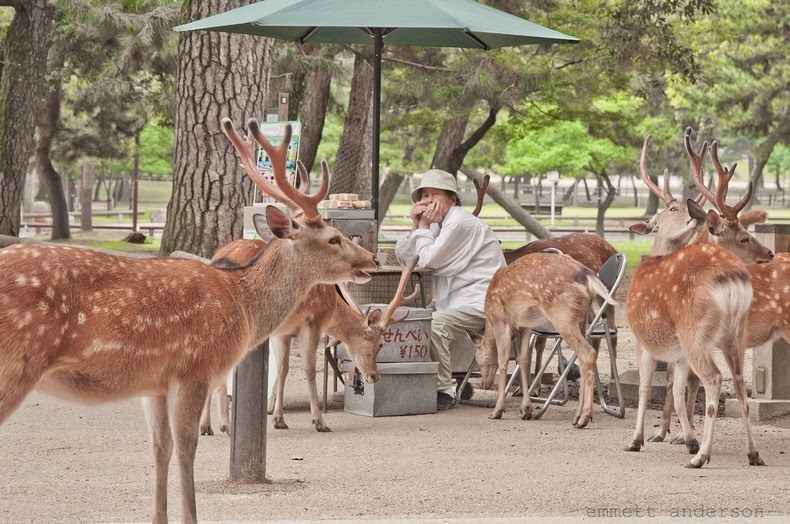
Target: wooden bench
point(150, 228)
point(541, 209)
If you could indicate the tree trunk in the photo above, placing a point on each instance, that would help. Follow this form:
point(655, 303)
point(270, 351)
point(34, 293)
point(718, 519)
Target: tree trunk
point(351, 148)
point(313, 115)
point(21, 90)
point(762, 152)
point(450, 138)
point(47, 129)
point(603, 178)
point(509, 205)
point(219, 75)
point(86, 195)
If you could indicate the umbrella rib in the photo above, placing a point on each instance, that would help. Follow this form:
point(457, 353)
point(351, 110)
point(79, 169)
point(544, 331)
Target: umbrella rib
point(471, 35)
point(306, 36)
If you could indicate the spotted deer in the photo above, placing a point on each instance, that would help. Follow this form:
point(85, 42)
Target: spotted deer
point(338, 316)
point(767, 319)
point(534, 290)
point(93, 327)
point(589, 249)
point(684, 302)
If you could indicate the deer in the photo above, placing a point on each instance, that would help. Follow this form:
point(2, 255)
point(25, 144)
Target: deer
point(339, 316)
point(531, 291)
point(767, 319)
point(684, 302)
point(94, 327)
point(589, 249)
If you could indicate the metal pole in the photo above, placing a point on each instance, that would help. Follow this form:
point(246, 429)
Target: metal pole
point(135, 177)
point(248, 434)
point(378, 45)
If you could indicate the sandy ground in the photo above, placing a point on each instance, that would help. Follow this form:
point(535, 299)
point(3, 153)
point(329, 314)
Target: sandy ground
point(64, 462)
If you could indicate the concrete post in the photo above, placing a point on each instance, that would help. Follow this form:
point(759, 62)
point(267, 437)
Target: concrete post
point(770, 396)
point(248, 423)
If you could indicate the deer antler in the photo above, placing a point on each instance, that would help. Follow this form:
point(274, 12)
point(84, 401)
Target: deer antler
point(399, 299)
point(304, 178)
point(729, 212)
point(246, 151)
point(309, 204)
point(697, 162)
point(664, 195)
point(481, 193)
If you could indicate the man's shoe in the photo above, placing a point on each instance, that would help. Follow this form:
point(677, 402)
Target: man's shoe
point(444, 401)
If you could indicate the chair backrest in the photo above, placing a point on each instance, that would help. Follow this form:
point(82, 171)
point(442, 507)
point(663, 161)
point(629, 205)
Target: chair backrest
point(612, 271)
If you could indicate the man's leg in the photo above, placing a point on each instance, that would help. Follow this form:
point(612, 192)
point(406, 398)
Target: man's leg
point(447, 325)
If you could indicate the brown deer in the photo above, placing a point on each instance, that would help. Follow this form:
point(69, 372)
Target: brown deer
point(533, 290)
point(338, 316)
point(93, 327)
point(589, 249)
point(684, 304)
point(767, 319)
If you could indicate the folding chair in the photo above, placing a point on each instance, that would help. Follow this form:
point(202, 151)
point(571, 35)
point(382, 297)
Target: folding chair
point(611, 274)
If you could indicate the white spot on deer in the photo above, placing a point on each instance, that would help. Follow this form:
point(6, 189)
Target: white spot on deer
point(35, 282)
point(50, 293)
point(80, 318)
point(772, 304)
point(64, 307)
point(41, 329)
point(681, 256)
point(25, 319)
point(675, 288)
point(653, 313)
point(21, 280)
point(56, 341)
point(774, 274)
point(100, 346)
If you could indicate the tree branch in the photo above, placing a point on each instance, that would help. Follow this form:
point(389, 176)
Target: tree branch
point(479, 133)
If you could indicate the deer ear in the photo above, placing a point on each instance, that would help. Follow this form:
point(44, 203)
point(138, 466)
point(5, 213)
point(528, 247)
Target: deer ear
point(476, 338)
point(373, 317)
point(279, 223)
point(259, 221)
point(695, 211)
point(714, 223)
point(641, 228)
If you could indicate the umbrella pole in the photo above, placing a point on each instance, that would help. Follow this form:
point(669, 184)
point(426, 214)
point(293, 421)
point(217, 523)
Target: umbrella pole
point(378, 45)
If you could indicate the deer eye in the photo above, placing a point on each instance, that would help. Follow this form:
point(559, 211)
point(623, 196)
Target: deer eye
point(673, 208)
point(335, 240)
point(745, 240)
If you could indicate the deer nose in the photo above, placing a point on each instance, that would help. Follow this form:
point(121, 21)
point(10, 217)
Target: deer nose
point(373, 377)
point(376, 261)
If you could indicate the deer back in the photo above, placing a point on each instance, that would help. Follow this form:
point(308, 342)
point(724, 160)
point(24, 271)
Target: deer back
point(589, 249)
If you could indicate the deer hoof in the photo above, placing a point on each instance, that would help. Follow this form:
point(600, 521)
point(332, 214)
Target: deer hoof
point(755, 460)
point(495, 415)
point(656, 438)
point(206, 430)
point(280, 424)
point(225, 429)
point(635, 445)
point(582, 422)
point(322, 428)
point(526, 412)
point(693, 447)
point(696, 465)
point(678, 441)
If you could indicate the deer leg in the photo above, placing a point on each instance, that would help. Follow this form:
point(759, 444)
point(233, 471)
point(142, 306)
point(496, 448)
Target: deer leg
point(205, 417)
point(18, 377)
point(223, 406)
point(503, 336)
point(281, 349)
point(647, 366)
point(679, 381)
point(702, 364)
point(586, 355)
point(692, 389)
point(669, 403)
point(184, 407)
point(524, 358)
point(155, 409)
point(735, 363)
point(309, 339)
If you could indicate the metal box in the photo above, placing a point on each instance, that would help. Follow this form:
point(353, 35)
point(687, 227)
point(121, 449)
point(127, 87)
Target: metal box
point(402, 389)
point(405, 341)
point(354, 222)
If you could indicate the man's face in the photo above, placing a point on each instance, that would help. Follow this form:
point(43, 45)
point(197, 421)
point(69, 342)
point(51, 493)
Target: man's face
point(430, 194)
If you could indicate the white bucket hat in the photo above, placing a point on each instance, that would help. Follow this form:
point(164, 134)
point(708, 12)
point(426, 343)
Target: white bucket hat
point(436, 179)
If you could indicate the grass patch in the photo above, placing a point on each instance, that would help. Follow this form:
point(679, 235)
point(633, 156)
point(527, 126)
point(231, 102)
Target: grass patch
point(151, 245)
point(633, 249)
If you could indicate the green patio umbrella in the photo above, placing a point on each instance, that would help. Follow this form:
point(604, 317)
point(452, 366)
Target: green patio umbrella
point(440, 23)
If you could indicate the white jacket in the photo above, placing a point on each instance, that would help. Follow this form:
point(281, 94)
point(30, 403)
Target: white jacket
point(463, 253)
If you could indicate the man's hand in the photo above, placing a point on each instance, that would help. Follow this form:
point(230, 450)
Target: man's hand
point(434, 214)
